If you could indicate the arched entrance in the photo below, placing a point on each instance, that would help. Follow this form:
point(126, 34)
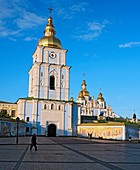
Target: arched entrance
point(52, 130)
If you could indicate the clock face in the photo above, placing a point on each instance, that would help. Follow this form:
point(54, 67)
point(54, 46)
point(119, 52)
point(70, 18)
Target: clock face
point(53, 55)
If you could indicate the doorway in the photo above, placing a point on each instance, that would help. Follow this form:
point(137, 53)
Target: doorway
point(52, 130)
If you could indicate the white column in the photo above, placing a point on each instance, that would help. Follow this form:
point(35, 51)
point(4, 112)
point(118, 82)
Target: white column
point(34, 110)
point(123, 132)
point(21, 109)
point(79, 115)
point(70, 116)
point(58, 84)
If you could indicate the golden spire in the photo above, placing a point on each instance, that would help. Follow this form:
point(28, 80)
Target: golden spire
point(49, 39)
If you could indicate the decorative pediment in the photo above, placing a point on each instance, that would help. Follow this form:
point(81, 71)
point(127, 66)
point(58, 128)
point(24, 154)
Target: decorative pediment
point(53, 72)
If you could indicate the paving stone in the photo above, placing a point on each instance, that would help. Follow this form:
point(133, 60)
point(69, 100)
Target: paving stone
point(68, 153)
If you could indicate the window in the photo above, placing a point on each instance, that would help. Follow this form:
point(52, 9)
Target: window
point(45, 106)
point(13, 113)
point(52, 106)
point(52, 82)
point(27, 119)
point(59, 107)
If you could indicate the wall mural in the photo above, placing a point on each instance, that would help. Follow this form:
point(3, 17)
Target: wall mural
point(102, 132)
point(5, 129)
point(10, 128)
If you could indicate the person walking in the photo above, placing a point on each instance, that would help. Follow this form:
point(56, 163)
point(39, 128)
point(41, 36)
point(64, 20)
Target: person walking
point(33, 142)
point(88, 136)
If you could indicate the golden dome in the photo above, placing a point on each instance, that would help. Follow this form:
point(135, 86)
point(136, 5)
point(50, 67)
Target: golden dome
point(71, 99)
point(100, 97)
point(49, 40)
point(85, 92)
point(81, 95)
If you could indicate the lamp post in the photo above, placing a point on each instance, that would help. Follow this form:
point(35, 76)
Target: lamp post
point(17, 120)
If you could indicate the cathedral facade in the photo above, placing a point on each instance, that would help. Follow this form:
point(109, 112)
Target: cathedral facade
point(48, 109)
point(94, 107)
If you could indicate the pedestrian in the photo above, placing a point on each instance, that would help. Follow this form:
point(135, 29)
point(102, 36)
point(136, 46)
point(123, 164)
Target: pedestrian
point(33, 142)
point(91, 136)
point(88, 136)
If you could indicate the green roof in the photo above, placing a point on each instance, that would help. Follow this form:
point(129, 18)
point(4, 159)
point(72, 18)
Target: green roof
point(32, 98)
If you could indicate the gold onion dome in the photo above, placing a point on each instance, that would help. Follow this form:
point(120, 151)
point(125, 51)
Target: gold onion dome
point(49, 40)
point(84, 91)
point(71, 99)
point(81, 95)
point(100, 97)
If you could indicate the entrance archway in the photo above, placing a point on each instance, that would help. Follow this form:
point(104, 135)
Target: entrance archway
point(52, 130)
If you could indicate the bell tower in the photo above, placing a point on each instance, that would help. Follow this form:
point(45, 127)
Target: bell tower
point(49, 75)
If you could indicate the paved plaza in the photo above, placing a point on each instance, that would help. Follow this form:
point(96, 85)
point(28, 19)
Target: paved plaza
point(70, 153)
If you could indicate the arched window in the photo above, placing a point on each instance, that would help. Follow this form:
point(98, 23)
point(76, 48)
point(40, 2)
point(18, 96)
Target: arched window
point(52, 106)
point(52, 82)
point(27, 119)
point(45, 106)
point(59, 107)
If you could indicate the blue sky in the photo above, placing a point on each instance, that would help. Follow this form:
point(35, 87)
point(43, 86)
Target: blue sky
point(103, 42)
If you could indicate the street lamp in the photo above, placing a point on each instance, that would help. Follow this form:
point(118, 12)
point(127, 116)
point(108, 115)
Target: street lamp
point(17, 120)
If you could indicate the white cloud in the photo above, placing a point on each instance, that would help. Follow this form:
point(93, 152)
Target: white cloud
point(30, 38)
point(6, 32)
point(78, 7)
point(91, 55)
point(29, 20)
point(15, 20)
point(11, 8)
point(129, 44)
point(91, 31)
point(94, 26)
point(87, 36)
point(70, 12)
